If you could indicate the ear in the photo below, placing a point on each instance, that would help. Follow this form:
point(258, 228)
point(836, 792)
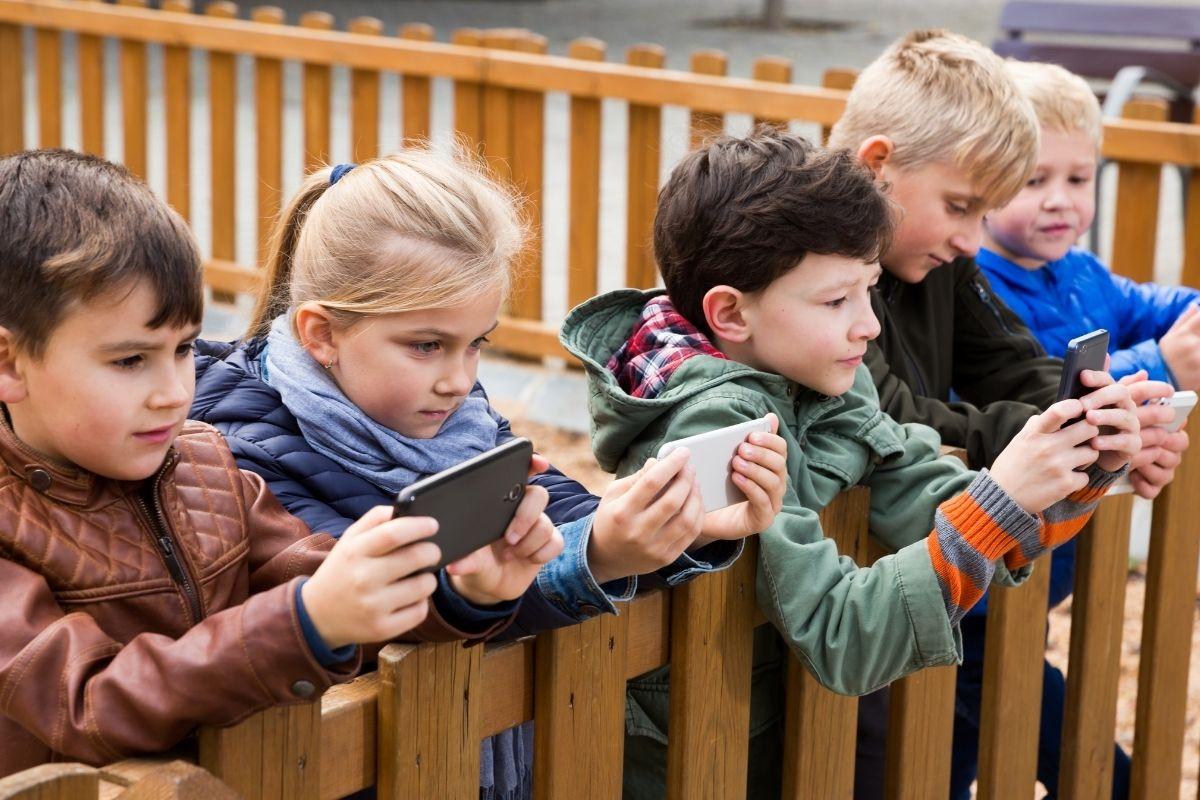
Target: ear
point(12, 382)
point(876, 151)
point(315, 329)
point(724, 309)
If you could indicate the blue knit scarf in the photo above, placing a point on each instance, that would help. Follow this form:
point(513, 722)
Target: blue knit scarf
point(338, 429)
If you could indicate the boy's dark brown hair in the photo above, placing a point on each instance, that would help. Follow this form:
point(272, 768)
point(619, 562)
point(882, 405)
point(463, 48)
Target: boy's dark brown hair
point(74, 227)
point(742, 212)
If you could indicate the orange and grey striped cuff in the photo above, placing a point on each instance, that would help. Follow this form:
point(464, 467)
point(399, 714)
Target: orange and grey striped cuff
point(1064, 519)
point(970, 532)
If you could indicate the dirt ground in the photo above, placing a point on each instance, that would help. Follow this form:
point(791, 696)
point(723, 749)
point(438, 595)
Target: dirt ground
point(571, 453)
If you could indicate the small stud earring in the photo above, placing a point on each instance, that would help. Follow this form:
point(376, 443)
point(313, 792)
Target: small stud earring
point(330, 364)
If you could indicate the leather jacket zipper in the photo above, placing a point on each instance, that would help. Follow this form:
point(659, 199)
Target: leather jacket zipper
point(166, 547)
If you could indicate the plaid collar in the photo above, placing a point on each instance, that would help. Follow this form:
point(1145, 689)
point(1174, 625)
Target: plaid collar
point(660, 342)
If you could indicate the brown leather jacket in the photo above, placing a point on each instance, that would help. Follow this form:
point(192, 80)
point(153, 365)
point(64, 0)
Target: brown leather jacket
point(131, 612)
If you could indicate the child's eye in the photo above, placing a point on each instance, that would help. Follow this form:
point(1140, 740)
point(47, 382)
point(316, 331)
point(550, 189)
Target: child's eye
point(1080, 180)
point(1036, 180)
point(185, 349)
point(426, 348)
point(129, 362)
point(478, 344)
point(957, 209)
point(836, 303)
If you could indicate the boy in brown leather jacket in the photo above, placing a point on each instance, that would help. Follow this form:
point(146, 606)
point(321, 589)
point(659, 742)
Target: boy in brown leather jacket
point(147, 585)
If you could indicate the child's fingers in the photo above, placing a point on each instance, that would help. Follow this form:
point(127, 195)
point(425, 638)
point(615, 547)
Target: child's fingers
point(1056, 416)
point(469, 564)
point(539, 533)
point(773, 460)
point(1095, 378)
point(1189, 316)
point(757, 496)
point(531, 507)
point(1076, 434)
point(1111, 394)
point(408, 591)
point(652, 481)
point(1144, 488)
point(373, 518)
point(538, 464)
point(1145, 390)
point(760, 476)
point(548, 551)
point(1152, 415)
point(768, 441)
point(394, 534)
point(404, 561)
point(773, 421)
point(1136, 377)
point(683, 528)
point(1118, 443)
point(1125, 419)
point(404, 619)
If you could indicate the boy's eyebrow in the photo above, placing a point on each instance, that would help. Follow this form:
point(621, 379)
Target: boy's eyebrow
point(848, 282)
point(972, 200)
point(141, 344)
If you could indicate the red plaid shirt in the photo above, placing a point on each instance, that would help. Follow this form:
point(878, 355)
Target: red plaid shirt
point(661, 340)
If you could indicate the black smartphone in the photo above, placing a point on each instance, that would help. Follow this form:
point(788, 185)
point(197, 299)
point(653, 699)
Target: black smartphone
point(474, 501)
point(1083, 352)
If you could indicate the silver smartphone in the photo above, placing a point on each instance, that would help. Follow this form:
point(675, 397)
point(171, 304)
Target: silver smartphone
point(711, 454)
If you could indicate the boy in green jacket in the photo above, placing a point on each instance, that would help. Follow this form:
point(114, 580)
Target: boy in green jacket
point(768, 248)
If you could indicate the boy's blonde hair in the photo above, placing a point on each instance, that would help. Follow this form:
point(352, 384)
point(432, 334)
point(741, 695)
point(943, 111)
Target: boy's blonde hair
point(1063, 101)
point(402, 232)
point(941, 97)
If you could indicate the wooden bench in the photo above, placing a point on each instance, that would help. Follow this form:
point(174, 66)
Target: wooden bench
point(1127, 66)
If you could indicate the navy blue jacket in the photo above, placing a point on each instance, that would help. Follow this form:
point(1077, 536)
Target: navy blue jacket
point(265, 438)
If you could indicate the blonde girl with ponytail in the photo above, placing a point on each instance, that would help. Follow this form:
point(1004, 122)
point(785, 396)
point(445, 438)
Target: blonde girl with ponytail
point(358, 376)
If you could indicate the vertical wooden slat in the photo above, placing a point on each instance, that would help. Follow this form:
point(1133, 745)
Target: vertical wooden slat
point(1097, 617)
point(222, 92)
point(579, 710)
point(273, 755)
point(712, 639)
point(177, 99)
point(317, 87)
point(583, 255)
point(496, 105)
point(49, 83)
point(52, 782)
point(1166, 635)
point(429, 721)
point(820, 727)
point(1136, 231)
point(89, 59)
point(1191, 224)
point(364, 93)
point(705, 124)
point(133, 99)
point(920, 732)
point(268, 98)
point(468, 97)
point(775, 70)
point(645, 134)
point(527, 142)
point(12, 82)
point(415, 94)
point(1012, 687)
point(836, 78)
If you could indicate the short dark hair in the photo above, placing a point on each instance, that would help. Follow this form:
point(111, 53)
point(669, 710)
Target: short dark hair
point(74, 227)
point(742, 212)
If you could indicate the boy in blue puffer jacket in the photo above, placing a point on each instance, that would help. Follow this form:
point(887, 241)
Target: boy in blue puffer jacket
point(1062, 291)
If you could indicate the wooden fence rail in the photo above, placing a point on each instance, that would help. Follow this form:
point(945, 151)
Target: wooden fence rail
point(412, 728)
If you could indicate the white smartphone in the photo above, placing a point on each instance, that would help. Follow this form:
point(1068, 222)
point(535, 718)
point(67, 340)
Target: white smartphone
point(711, 454)
point(1183, 402)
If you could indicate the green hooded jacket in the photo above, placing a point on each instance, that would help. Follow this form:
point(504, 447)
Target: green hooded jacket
point(855, 628)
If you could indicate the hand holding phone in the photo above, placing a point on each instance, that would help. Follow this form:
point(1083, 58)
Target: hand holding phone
point(712, 455)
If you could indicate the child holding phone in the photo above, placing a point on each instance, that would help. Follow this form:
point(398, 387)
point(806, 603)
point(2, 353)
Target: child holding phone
point(358, 377)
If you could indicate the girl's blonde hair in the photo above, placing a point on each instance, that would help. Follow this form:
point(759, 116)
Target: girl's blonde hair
point(1063, 101)
point(942, 97)
point(407, 231)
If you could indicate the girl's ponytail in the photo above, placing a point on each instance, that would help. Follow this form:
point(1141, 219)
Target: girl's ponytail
point(274, 294)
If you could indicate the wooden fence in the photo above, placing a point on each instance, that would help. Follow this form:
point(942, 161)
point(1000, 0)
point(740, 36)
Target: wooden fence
point(412, 728)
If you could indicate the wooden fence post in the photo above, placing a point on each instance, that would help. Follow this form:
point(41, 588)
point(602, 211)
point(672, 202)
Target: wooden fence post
point(12, 83)
point(222, 91)
point(415, 95)
point(774, 70)
point(133, 100)
point(823, 765)
point(364, 94)
point(706, 125)
point(1166, 633)
point(49, 85)
point(645, 143)
point(836, 78)
point(712, 643)
point(1097, 618)
point(52, 782)
point(318, 83)
point(579, 710)
point(1191, 223)
point(468, 96)
point(1010, 713)
point(273, 755)
point(583, 260)
point(1136, 227)
point(527, 149)
point(177, 101)
point(428, 729)
point(268, 98)
point(89, 60)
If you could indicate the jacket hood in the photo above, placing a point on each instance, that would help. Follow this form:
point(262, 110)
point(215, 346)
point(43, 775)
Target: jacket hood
point(594, 331)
